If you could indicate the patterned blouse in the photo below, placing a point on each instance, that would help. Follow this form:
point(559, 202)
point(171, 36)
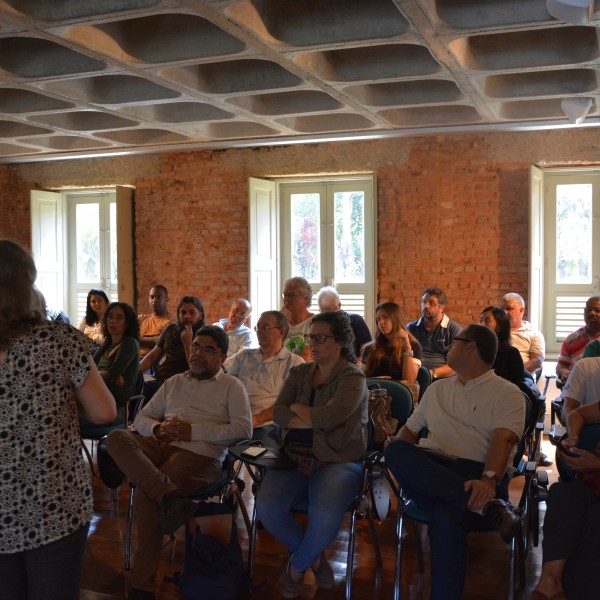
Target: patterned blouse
point(45, 491)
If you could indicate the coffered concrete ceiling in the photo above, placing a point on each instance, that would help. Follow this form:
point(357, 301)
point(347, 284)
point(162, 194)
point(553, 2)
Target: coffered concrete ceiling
point(81, 78)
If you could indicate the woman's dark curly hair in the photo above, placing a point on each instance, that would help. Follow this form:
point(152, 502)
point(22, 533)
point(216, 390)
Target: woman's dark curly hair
point(91, 318)
point(132, 325)
point(341, 330)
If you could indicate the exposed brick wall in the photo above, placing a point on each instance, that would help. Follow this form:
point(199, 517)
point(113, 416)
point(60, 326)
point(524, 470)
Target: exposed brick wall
point(452, 210)
point(15, 212)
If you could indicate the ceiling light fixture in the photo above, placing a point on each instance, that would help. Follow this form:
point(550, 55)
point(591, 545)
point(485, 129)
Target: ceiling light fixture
point(577, 108)
point(577, 12)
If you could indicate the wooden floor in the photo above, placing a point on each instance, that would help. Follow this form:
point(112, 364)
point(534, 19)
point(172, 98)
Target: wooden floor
point(104, 576)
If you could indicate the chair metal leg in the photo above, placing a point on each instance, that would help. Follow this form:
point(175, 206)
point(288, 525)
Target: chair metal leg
point(252, 543)
point(350, 559)
point(398, 573)
point(129, 530)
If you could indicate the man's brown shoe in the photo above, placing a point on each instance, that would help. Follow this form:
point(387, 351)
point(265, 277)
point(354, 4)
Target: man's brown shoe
point(502, 516)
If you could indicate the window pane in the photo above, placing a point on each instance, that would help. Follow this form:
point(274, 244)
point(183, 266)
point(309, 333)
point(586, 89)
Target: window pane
point(349, 237)
point(574, 233)
point(306, 236)
point(113, 245)
point(87, 233)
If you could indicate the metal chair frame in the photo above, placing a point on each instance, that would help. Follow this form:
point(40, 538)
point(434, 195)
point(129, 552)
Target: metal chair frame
point(360, 507)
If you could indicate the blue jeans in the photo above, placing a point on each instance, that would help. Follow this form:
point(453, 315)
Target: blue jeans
point(437, 485)
point(328, 494)
point(51, 572)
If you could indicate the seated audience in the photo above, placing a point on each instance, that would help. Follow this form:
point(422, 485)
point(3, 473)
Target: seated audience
point(234, 325)
point(263, 371)
point(297, 298)
point(528, 341)
point(572, 519)
point(395, 353)
point(184, 432)
point(435, 331)
point(508, 363)
point(46, 377)
point(322, 410)
point(329, 301)
point(576, 342)
point(523, 336)
point(172, 351)
point(582, 387)
point(152, 324)
point(91, 324)
point(458, 472)
point(118, 358)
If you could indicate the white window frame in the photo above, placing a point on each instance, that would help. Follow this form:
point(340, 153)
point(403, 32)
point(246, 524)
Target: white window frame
point(266, 225)
point(50, 227)
point(557, 309)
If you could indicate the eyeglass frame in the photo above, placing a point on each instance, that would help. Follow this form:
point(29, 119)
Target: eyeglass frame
point(208, 350)
point(266, 327)
point(308, 337)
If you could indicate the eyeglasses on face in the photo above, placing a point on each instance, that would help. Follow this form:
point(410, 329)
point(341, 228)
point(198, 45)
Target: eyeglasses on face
point(208, 350)
point(430, 303)
point(319, 338)
point(461, 339)
point(241, 313)
point(265, 327)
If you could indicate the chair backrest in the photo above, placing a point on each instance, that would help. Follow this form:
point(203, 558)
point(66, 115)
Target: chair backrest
point(423, 379)
point(530, 422)
point(589, 437)
point(402, 398)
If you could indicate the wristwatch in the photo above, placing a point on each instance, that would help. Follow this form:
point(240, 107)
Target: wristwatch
point(434, 374)
point(490, 475)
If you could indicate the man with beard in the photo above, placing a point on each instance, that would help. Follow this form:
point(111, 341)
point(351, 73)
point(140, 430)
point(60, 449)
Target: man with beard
point(435, 331)
point(184, 433)
point(152, 324)
point(172, 351)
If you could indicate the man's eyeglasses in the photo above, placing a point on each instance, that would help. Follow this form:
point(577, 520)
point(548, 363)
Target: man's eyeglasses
point(319, 338)
point(429, 303)
point(265, 327)
point(208, 350)
point(241, 313)
point(460, 339)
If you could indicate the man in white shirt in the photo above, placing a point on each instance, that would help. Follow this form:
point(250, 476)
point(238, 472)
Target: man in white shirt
point(582, 387)
point(458, 472)
point(240, 336)
point(184, 433)
point(263, 370)
point(523, 335)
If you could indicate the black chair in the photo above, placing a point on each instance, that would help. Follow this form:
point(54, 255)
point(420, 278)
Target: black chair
point(424, 380)
point(228, 488)
point(96, 432)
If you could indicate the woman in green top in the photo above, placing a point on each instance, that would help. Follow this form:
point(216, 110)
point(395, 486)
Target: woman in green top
point(118, 358)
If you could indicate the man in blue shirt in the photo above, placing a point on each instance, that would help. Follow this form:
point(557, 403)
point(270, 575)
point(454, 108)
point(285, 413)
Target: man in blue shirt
point(435, 331)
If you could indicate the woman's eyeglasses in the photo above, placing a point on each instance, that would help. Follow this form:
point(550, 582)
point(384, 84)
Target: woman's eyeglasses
point(319, 338)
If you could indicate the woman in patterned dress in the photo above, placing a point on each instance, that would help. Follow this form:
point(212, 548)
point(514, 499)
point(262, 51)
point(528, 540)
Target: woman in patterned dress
point(46, 376)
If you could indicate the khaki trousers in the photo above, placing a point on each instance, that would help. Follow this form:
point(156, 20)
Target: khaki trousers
point(156, 468)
